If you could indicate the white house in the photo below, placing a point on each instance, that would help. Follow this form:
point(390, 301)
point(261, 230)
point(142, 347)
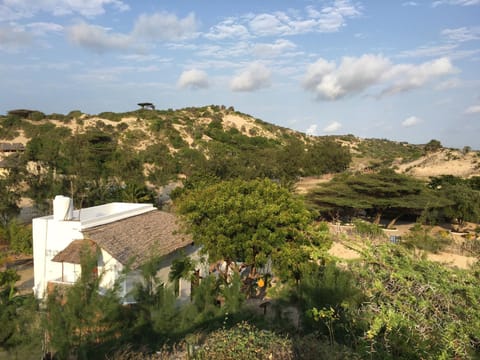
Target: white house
point(120, 233)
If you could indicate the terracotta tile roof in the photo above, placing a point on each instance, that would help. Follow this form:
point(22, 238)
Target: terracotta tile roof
point(73, 252)
point(139, 238)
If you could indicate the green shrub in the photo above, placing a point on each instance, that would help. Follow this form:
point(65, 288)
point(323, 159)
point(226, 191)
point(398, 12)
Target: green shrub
point(246, 342)
point(421, 237)
point(368, 229)
point(17, 236)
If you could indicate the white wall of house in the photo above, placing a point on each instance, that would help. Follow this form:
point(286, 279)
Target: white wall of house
point(49, 238)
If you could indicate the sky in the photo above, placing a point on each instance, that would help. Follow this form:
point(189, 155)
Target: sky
point(398, 70)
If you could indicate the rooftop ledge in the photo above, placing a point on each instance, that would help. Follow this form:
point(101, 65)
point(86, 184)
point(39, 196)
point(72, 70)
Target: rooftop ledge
point(105, 214)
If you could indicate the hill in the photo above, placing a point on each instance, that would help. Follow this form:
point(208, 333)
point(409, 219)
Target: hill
point(100, 152)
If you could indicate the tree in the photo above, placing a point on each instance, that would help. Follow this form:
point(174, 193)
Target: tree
point(17, 236)
point(8, 201)
point(247, 221)
point(465, 203)
point(433, 145)
point(377, 193)
point(326, 156)
point(80, 320)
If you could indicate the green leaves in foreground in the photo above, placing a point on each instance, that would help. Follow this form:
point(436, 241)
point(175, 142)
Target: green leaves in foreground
point(415, 308)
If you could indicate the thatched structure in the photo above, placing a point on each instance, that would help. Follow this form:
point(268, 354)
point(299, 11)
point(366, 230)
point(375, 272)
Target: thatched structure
point(138, 238)
point(76, 251)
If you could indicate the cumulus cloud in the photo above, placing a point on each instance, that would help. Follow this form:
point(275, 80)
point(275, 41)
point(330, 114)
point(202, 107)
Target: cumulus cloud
point(411, 121)
point(97, 38)
point(408, 76)
point(256, 76)
point(165, 26)
point(271, 50)
point(355, 75)
point(312, 130)
point(332, 127)
point(18, 9)
point(474, 109)
point(195, 79)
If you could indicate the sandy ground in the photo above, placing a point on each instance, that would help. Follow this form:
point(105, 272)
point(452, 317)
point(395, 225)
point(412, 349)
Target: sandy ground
point(342, 251)
point(444, 162)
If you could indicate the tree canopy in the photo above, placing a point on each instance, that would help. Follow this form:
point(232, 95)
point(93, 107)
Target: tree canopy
point(246, 221)
point(374, 193)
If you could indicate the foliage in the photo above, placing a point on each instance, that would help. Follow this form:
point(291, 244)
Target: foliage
point(18, 237)
point(432, 146)
point(80, 320)
point(8, 200)
point(367, 229)
point(466, 203)
point(326, 156)
point(246, 221)
point(385, 152)
point(245, 342)
point(375, 193)
point(416, 308)
point(20, 330)
point(421, 237)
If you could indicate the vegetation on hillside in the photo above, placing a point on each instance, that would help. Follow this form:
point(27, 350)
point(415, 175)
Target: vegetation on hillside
point(93, 158)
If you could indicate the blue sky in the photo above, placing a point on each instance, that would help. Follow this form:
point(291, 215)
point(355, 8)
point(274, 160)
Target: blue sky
point(401, 70)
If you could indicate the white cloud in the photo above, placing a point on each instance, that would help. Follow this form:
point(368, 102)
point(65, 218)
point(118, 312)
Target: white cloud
point(165, 26)
point(98, 38)
point(462, 34)
point(18, 9)
point(256, 76)
point(410, 3)
point(332, 127)
point(429, 51)
point(227, 29)
point(12, 38)
point(330, 18)
point(158, 26)
point(474, 109)
point(272, 50)
point(411, 121)
point(449, 84)
point(42, 28)
point(312, 130)
point(355, 75)
point(195, 79)
point(456, 2)
point(408, 76)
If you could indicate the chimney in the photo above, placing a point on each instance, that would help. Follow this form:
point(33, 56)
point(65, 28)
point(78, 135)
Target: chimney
point(62, 208)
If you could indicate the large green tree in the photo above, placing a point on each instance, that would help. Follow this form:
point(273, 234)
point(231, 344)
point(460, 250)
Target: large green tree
point(375, 193)
point(246, 221)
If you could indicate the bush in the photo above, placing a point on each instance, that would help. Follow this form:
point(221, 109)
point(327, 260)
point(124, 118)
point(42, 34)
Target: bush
point(18, 237)
point(420, 237)
point(367, 229)
point(245, 342)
